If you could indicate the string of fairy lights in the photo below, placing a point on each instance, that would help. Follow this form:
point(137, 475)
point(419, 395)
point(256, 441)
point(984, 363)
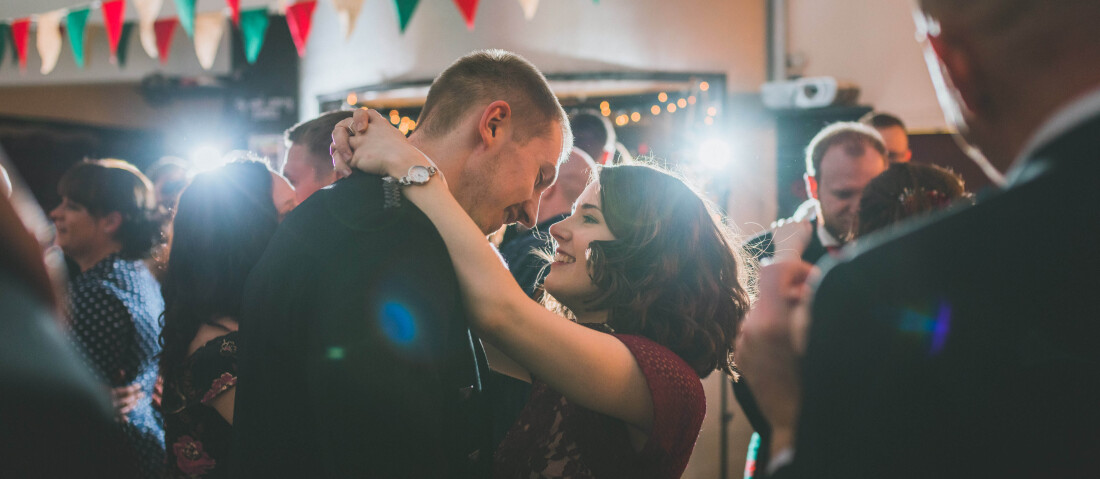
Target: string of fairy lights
point(665, 104)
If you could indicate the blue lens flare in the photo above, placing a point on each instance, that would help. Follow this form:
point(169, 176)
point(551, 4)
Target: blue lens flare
point(933, 329)
point(398, 323)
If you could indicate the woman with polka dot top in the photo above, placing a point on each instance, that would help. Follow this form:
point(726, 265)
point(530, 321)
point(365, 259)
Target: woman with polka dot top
point(106, 225)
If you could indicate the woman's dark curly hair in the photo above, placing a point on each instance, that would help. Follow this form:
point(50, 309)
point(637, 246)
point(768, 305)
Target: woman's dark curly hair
point(907, 190)
point(672, 273)
point(223, 223)
point(108, 186)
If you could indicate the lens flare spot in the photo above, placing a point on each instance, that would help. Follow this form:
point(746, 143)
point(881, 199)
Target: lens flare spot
point(335, 353)
point(398, 323)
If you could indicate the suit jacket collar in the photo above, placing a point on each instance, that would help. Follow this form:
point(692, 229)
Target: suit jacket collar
point(1063, 123)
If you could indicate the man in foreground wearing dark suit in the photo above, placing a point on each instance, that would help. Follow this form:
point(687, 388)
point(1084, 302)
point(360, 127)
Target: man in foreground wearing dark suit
point(356, 357)
point(965, 345)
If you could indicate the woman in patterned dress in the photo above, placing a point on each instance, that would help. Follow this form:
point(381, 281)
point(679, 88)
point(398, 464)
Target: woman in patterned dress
point(643, 262)
point(106, 224)
point(222, 225)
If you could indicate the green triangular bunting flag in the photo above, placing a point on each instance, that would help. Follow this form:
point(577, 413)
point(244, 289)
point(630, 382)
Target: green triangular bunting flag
point(5, 34)
point(253, 28)
point(74, 25)
point(124, 43)
point(405, 10)
point(186, 11)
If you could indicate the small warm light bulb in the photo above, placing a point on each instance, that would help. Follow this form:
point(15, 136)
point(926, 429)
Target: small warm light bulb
point(412, 124)
point(708, 120)
point(662, 97)
point(621, 120)
point(604, 105)
point(353, 98)
point(704, 86)
point(682, 103)
point(691, 100)
point(672, 108)
point(395, 113)
point(605, 112)
point(712, 111)
point(656, 109)
point(636, 117)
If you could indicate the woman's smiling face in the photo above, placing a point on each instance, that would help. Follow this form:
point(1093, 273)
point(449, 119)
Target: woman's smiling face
point(569, 280)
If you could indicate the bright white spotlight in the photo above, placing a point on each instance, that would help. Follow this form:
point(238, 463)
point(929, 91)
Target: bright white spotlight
point(206, 158)
point(714, 154)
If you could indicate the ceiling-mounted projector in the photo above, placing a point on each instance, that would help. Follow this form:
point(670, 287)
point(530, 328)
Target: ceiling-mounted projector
point(812, 92)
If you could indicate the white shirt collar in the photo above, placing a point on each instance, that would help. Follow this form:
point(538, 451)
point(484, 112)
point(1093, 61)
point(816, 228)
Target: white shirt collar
point(827, 239)
point(1062, 121)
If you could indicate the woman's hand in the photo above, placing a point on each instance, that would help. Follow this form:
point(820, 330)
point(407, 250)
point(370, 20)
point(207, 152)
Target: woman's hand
point(368, 142)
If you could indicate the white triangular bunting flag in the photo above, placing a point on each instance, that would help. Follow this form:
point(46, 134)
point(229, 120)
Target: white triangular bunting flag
point(529, 8)
point(208, 37)
point(147, 16)
point(49, 38)
point(347, 11)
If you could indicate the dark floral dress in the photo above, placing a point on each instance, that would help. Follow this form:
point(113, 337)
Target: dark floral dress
point(115, 308)
point(554, 438)
point(199, 439)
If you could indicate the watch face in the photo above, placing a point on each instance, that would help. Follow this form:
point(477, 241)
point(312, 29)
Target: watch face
point(419, 174)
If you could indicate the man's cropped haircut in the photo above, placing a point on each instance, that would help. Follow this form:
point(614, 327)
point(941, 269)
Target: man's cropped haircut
point(852, 136)
point(485, 76)
point(882, 120)
point(316, 135)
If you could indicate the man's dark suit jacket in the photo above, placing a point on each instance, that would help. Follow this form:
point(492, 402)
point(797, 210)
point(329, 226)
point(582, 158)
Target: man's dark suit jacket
point(966, 346)
point(356, 359)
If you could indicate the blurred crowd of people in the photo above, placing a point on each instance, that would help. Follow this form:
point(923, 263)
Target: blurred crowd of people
point(346, 316)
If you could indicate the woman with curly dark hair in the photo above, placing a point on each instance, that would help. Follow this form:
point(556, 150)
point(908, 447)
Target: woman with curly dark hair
point(107, 224)
point(655, 286)
point(223, 223)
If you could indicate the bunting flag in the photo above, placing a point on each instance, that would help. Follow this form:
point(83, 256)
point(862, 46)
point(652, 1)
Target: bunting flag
point(163, 30)
point(74, 24)
point(299, 18)
point(124, 43)
point(405, 9)
point(347, 11)
point(234, 11)
point(208, 36)
point(186, 11)
point(20, 30)
point(529, 8)
point(48, 39)
point(112, 20)
point(469, 11)
point(147, 16)
point(5, 33)
point(254, 29)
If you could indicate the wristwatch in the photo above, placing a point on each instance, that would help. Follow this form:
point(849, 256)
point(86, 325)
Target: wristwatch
point(417, 175)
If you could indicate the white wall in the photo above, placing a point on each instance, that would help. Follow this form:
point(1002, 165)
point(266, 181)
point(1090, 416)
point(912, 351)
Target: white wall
point(871, 43)
point(565, 36)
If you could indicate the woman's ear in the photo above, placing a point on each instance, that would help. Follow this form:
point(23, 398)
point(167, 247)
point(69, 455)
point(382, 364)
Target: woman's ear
point(111, 222)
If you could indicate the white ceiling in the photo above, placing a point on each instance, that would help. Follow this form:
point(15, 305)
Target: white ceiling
point(10, 9)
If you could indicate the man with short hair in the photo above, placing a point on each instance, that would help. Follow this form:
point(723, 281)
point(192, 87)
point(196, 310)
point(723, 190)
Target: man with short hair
point(308, 166)
point(894, 134)
point(840, 160)
point(959, 346)
point(356, 357)
point(593, 134)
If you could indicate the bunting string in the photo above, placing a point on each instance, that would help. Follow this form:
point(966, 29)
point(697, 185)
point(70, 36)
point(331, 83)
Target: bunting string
point(206, 29)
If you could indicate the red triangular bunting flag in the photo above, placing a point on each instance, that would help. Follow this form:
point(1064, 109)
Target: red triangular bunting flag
point(299, 17)
point(112, 19)
point(164, 30)
point(20, 31)
point(235, 11)
point(469, 11)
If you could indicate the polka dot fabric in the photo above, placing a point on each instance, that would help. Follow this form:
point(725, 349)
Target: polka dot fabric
point(115, 308)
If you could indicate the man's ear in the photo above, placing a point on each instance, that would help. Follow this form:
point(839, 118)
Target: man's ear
point(110, 223)
point(811, 185)
point(958, 67)
point(495, 119)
